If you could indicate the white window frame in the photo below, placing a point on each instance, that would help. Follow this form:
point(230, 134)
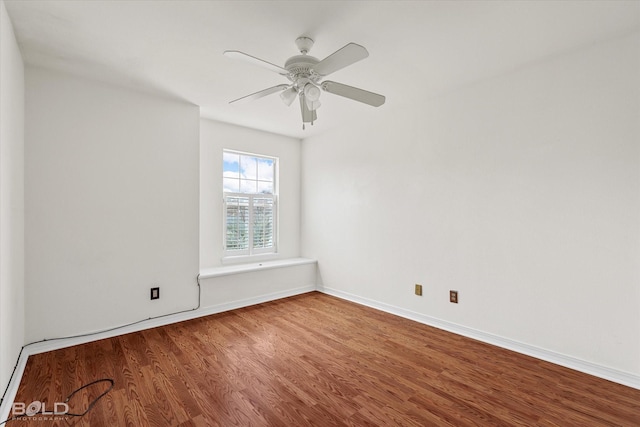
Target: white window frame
point(250, 252)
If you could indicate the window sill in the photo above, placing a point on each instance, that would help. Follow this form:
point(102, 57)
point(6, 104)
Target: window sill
point(249, 259)
point(207, 273)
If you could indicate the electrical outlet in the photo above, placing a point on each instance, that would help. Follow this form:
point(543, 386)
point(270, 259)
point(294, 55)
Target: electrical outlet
point(418, 289)
point(155, 293)
point(453, 297)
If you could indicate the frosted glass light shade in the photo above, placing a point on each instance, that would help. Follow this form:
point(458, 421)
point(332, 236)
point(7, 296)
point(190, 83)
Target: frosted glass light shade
point(289, 95)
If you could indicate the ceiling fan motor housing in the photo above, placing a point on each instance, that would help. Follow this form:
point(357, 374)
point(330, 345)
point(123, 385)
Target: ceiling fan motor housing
point(301, 66)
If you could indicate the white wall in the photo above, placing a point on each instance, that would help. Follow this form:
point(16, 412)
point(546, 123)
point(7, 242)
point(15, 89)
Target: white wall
point(11, 199)
point(111, 200)
point(214, 138)
point(253, 287)
point(521, 192)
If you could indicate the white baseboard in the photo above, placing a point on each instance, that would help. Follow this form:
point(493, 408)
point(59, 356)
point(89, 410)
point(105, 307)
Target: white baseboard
point(56, 344)
point(604, 372)
point(14, 383)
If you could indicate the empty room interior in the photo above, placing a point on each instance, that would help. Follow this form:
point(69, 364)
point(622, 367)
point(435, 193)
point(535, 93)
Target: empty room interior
point(327, 213)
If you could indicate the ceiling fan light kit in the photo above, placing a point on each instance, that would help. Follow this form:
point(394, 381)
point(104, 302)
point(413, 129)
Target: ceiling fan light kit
point(306, 75)
point(289, 95)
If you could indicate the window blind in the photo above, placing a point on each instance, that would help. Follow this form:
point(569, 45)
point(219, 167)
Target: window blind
point(250, 223)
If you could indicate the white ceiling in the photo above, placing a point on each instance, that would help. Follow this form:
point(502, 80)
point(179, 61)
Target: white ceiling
point(418, 49)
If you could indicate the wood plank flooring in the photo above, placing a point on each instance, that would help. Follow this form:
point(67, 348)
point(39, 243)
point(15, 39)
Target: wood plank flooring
point(316, 360)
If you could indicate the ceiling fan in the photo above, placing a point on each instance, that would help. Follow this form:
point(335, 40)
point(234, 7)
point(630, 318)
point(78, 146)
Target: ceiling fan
point(306, 75)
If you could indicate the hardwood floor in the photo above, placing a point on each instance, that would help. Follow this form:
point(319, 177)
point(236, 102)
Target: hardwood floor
point(316, 360)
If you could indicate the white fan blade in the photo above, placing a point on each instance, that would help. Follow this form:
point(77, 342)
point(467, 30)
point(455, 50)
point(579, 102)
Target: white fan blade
point(341, 58)
point(308, 116)
point(235, 54)
point(354, 93)
point(261, 93)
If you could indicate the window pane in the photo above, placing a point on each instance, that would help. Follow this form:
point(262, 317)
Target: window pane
point(237, 223)
point(249, 167)
point(231, 185)
point(265, 169)
point(248, 186)
point(231, 165)
point(262, 223)
point(265, 187)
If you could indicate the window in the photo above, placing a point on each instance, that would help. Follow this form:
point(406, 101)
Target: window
point(250, 208)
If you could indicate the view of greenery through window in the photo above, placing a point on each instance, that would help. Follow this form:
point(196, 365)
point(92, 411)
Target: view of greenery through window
point(250, 204)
